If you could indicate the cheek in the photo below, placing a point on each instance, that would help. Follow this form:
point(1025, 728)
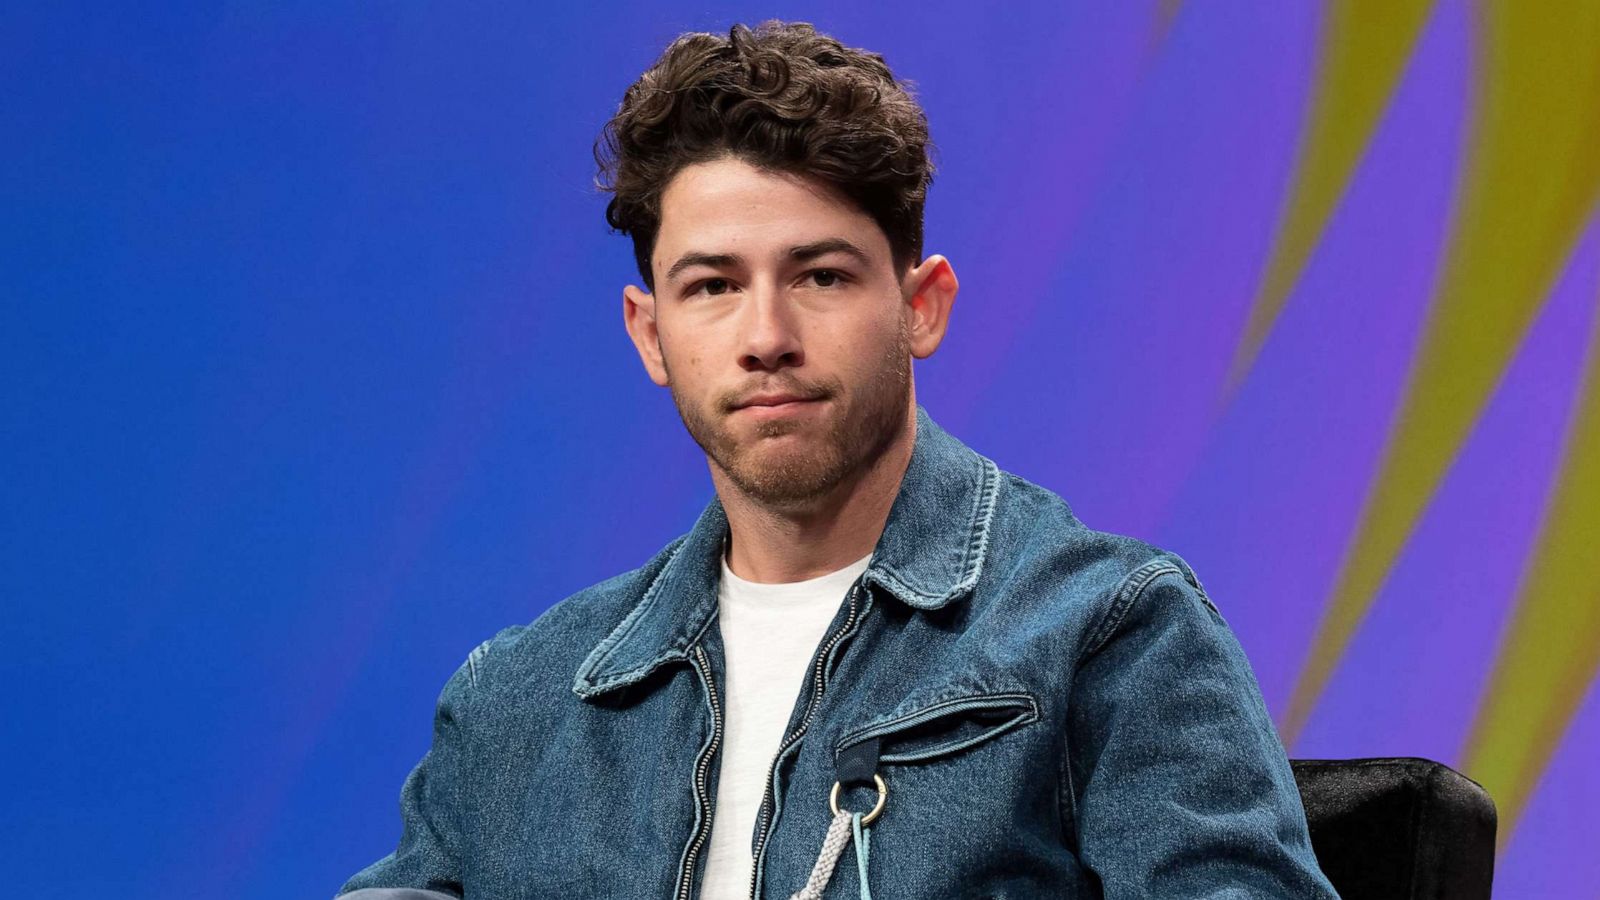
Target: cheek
point(680, 354)
point(865, 348)
point(690, 344)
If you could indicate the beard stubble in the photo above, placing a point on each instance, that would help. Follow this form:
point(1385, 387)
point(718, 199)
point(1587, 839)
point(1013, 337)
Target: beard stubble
point(860, 429)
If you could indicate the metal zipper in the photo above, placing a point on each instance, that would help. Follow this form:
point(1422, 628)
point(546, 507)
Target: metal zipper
point(686, 874)
point(817, 687)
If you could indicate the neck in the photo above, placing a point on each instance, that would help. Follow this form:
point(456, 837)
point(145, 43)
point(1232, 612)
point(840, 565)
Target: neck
point(777, 546)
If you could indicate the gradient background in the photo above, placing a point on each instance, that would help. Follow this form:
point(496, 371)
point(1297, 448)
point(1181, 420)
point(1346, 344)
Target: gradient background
point(315, 376)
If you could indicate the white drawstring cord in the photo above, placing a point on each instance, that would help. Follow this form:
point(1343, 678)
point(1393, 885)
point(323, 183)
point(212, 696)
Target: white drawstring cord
point(844, 826)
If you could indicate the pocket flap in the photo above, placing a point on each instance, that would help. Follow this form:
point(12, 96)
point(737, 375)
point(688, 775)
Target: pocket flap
point(946, 726)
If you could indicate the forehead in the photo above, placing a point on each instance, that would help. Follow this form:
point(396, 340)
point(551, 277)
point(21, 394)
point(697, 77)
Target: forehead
point(729, 206)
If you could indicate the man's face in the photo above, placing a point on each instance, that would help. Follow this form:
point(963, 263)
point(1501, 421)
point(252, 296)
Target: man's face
point(771, 286)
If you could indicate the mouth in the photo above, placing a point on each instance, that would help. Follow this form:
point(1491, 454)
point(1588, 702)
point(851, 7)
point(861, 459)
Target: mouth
point(778, 407)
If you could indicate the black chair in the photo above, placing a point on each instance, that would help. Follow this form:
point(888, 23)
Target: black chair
point(1398, 829)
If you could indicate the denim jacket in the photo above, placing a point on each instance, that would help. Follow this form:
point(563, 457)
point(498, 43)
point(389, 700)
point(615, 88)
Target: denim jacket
point(1054, 711)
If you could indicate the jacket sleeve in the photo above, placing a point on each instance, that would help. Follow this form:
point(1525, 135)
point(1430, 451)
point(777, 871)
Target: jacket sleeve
point(1180, 785)
point(428, 857)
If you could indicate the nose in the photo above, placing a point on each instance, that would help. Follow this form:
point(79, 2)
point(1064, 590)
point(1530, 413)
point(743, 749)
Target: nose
point(770, 334)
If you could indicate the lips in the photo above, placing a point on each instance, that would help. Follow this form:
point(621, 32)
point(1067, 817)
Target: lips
point(775, 407)
point(773, 400)
point(776, 399)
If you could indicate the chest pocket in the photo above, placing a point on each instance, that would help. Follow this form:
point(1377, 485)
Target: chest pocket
point(944, 727)
point(952, 779)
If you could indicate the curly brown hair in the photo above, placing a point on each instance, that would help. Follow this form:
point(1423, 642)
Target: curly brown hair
point(783, 97)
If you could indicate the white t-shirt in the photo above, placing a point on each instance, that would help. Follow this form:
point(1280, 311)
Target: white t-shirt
point(769, 632)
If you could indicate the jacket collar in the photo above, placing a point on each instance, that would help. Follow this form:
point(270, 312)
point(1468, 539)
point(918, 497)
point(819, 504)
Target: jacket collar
point(930, 554)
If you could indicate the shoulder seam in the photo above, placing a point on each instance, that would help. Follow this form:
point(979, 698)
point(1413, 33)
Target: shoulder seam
point(1128, 591)
point(476, 658)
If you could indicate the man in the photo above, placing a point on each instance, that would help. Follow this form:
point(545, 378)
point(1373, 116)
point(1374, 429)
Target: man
point(872, 635)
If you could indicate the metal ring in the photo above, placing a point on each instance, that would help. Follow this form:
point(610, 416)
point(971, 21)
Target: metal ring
point(883, 797)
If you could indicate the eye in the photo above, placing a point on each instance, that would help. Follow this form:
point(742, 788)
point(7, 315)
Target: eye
point(711, 286)
point(826, 277)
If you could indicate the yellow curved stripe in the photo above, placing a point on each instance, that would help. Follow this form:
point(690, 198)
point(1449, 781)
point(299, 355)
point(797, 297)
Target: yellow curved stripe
point(1365, 47)
point(1551, 650)
point(1532, 175)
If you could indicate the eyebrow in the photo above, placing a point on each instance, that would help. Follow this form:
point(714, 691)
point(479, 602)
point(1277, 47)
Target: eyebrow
point(799, 253)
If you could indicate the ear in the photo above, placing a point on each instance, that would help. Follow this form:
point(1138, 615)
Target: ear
point(929, 291)
point(639, 317)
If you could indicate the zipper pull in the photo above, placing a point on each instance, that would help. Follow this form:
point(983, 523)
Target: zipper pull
point(855, 765)
point(862, 838)
point(858, 763)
